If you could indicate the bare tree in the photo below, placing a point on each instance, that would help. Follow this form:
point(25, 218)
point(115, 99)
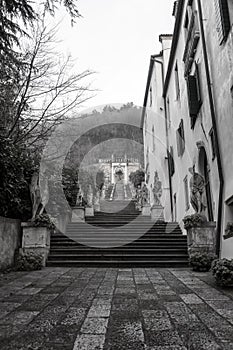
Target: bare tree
point(50, 89)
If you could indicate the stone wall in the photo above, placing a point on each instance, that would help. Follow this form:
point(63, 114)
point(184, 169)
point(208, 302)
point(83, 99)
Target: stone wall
point(10, 237)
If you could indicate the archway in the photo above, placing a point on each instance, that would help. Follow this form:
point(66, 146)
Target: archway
point(119, 175)
point(204, 171)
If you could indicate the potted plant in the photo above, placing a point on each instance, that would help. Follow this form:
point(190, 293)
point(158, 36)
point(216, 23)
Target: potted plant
point(194, 220)
point(228, 231)
point(201, 261)
point(43, 220)
point(223, 272)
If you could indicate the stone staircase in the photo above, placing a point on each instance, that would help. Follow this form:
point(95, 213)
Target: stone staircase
point(120, 237)
point(119, 193)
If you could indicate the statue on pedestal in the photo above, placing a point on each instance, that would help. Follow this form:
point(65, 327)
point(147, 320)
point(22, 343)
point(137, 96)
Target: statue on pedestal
point(157, 189)
point(90, 197)
point(79, 200)
point(145, 195)
point(197, 192)
point(39, 200)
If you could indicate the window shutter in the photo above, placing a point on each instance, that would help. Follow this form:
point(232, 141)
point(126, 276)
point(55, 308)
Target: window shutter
point(222, 19)
point(193, 95)
point(171, 161)
point(178, 142)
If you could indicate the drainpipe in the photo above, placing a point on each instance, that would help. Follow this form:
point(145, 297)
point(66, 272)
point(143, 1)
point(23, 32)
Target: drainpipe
point(215, 130)
point(169, 170)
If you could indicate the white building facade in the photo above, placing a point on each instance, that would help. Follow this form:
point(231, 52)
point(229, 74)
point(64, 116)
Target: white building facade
point(188, 106)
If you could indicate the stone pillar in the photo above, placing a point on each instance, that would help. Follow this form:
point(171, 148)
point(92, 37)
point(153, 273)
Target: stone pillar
point(36, 239)
point(89, 211)
point(97, 202)
point(146, 210)
point(157, 213)
point(78, 214)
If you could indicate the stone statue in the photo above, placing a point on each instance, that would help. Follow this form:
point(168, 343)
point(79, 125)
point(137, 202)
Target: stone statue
point(197, 191)
point(90, 197)
point(79, 200)
point(39, 200)
point(157, 189)
point(145, 195)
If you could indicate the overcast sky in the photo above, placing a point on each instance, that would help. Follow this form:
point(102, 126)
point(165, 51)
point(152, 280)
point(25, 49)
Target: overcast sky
point(115, 38)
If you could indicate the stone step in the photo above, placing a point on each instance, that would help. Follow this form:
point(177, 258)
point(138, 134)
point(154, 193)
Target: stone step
point(130, 263)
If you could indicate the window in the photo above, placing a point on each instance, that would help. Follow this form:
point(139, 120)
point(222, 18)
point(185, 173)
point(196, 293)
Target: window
point(180, 139)
point(153, 137)
point(213, 143)
point(150, 97)
point(222, 19)
point(175, 207)
point(168, 113)
point(171, 163)
point(177, 84)
point(186, 192)
point(194, 95)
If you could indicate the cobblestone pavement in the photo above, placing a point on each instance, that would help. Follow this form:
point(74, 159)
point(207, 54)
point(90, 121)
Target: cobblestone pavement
point(114, 309)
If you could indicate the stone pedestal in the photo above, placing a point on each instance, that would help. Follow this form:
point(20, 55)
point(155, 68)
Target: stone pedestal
point(78, 214)
point(35, 240)
point(89, 211)
point(157, 213)
point(202, 239)
point(146, 210)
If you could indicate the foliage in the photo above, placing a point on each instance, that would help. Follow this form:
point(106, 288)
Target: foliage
point(228, 230)
point(36, 94)
point(17, 163)
point(223, 272)
point(70, 184)
point(15, 12)
point(137, 178)
point(100, 179)
point(201, 261)
point(28, 261)
point(43, 220)
point(194, 220)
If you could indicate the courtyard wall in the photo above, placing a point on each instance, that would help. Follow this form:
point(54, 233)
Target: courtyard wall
point(10, 238)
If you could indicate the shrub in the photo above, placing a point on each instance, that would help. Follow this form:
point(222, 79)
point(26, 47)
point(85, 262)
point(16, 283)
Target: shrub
point(223, 272)
point(201, 261)
point(43, 220)
point(28, 261)
point(194, 220)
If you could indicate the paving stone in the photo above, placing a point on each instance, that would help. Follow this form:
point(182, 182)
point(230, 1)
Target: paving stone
point(89, 341)
point(99, 311)
point(94, 326)
point(6, 308)
point(163, 338)
point(200, 340)
point(74, 316)
point(180, 313)
point(125, 334)
point(191, 299)
point(156, 320)
point(38, 302)
point(19, 317)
